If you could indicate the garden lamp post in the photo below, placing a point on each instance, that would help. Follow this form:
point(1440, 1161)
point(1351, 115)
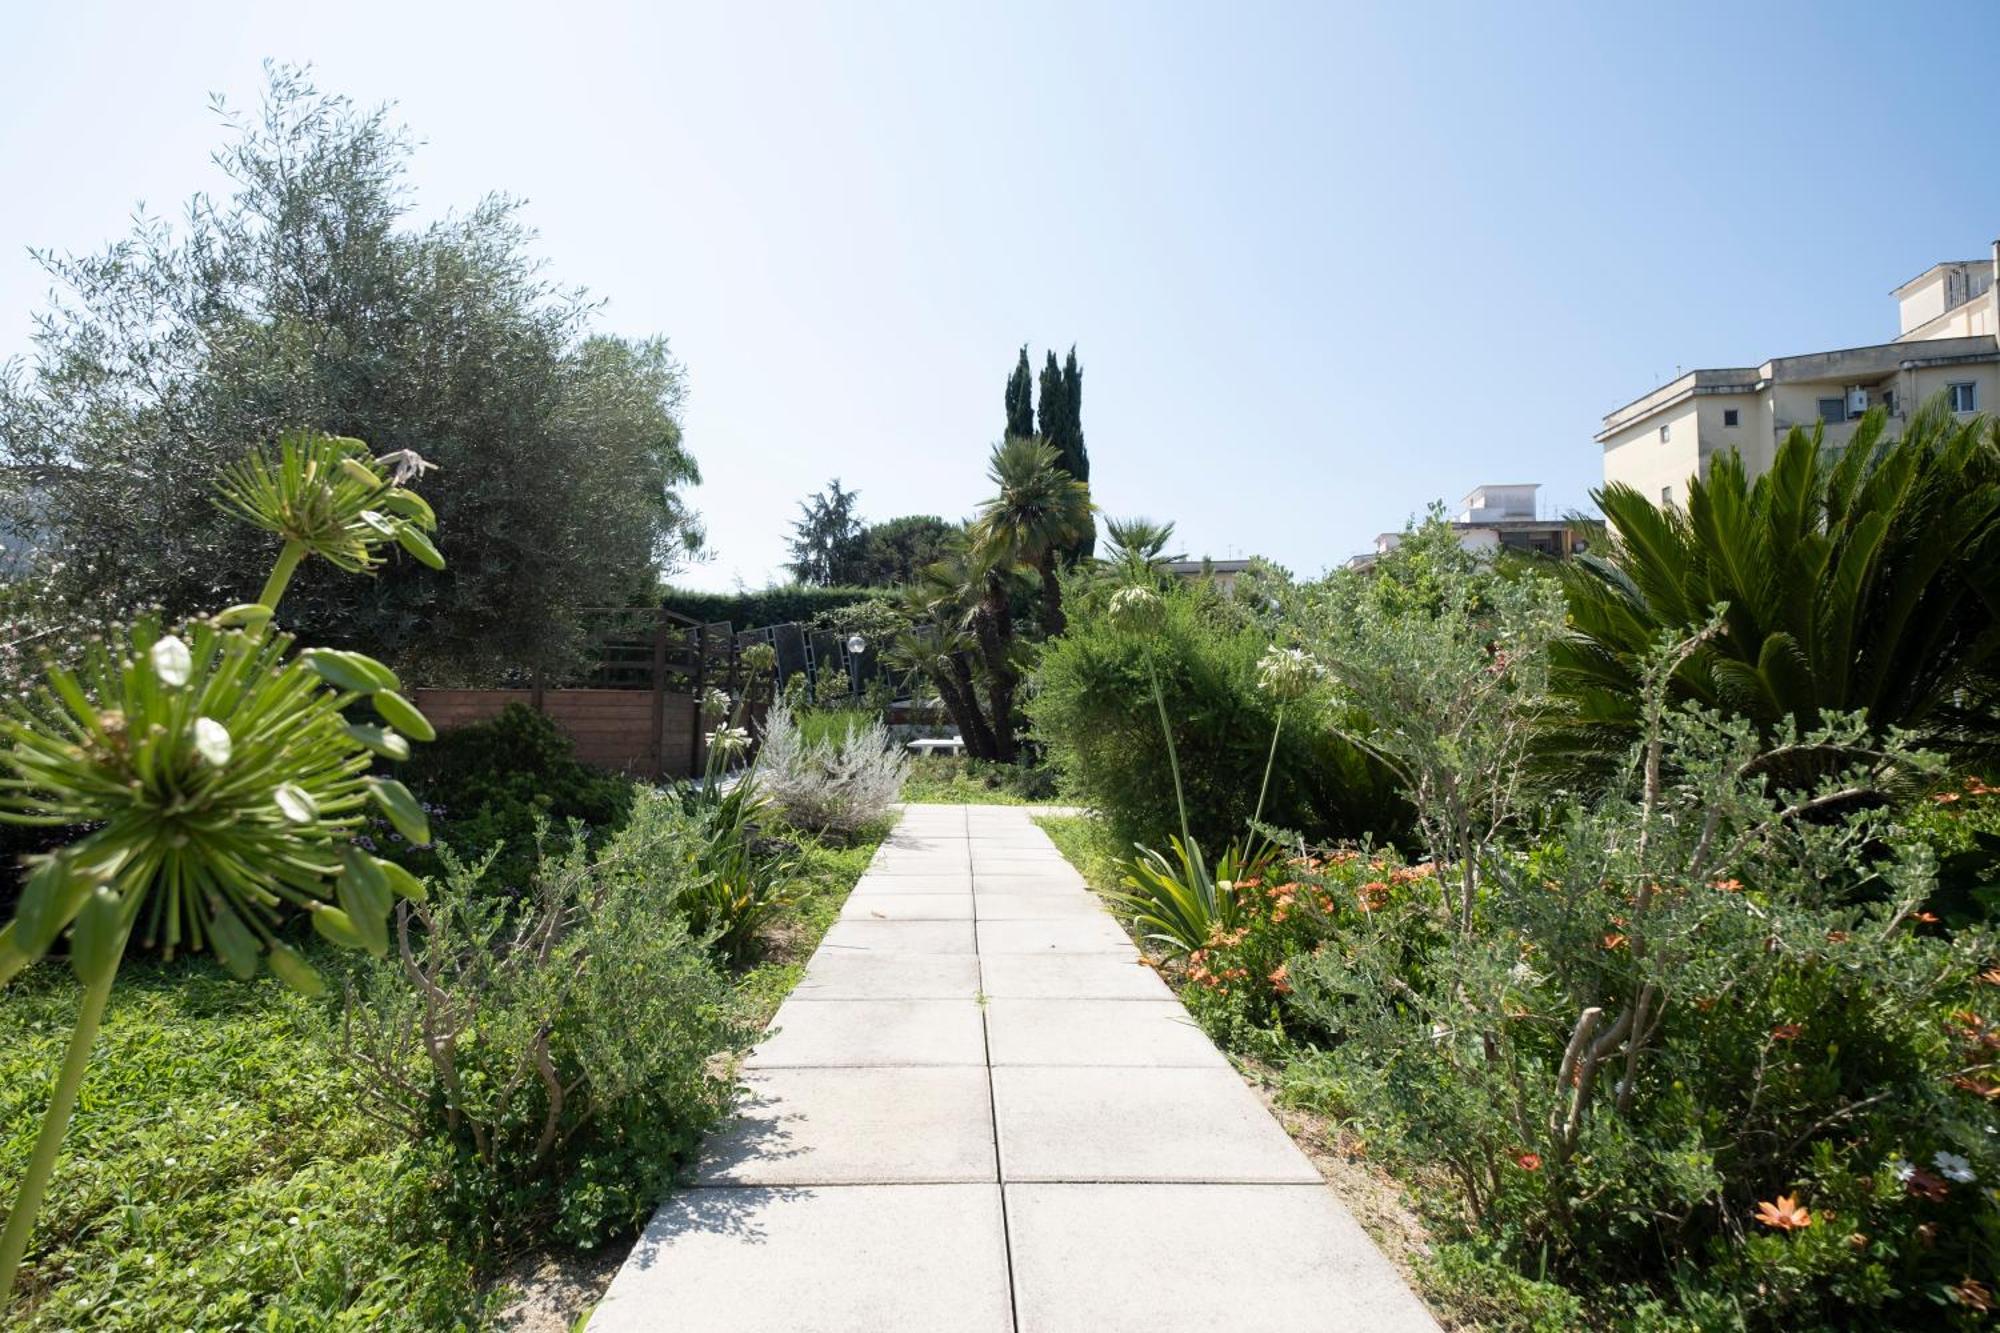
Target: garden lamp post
point(856, 645)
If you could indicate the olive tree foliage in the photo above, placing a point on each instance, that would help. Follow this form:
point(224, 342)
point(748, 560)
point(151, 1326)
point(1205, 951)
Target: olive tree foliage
point(308, 294)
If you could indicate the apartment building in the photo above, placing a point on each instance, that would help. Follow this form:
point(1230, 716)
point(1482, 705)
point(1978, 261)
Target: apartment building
point(1949, 343)
point(1493, 517)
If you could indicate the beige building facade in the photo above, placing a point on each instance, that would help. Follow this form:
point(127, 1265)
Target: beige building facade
point(1949, 343)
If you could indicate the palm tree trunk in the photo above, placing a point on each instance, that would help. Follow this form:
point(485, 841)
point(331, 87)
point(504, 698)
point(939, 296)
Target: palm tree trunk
point(955, 690)
point(994, 625)
point(1053, 620)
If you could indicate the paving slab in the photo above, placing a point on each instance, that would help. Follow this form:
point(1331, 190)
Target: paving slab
point(1064, 880)
point(953, 882)
point(1106, 1034)
point(1069, 976)
point(919, 863)
point(1084, 934)
point(1193, 1125)
point(1016, 862)
point(822, 1034)
point(853, 975)
point(855, 1127)
point(995, 906)
point(876, 906)
point(918, 937)
point(1272, 1259)
point(894, 1258)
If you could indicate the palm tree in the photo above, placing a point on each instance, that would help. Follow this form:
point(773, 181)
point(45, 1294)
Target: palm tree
point(1038, 512)
point(1137, 551)
point(940, 645)
point(1860, 580)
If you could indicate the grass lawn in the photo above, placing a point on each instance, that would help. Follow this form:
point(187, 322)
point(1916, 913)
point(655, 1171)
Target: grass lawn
point(956, 780)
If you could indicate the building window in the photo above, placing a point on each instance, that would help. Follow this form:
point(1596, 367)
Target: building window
point(1666, 495)
point(1833, 409)
point(1965, 396)
point(1666, 432)
point(1729, 416)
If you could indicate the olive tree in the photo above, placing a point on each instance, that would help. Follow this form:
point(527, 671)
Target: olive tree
point(308, 296)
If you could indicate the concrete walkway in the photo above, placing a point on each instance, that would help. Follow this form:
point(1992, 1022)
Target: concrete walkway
point(979, 1112)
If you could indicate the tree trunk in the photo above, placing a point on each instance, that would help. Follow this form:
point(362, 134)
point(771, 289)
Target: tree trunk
point(961, 700)
point(994, 626)
point(1054, 621)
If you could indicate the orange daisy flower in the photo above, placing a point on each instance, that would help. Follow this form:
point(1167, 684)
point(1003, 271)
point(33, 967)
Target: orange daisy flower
point(1785, 1214)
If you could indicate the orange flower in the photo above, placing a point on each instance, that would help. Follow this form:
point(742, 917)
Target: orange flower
point(1528, 1161)
point(1946, 798)
point(1836, 937)
point(1973, 1294)
point(1728, 885)
point(1785, 1031)
point(1857, 1241)
point(1785, 1214)
point(1280, 980)
point(1928, 918)
point(1991, 976)
point(1614, 941)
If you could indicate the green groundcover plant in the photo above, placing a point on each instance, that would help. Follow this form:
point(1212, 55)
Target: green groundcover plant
point(221, 774)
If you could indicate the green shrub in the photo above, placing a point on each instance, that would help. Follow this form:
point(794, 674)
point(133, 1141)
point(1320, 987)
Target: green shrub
point(794, 603)
point(1092, 710)
point(1674, 1011)
point(220, 1173)
point(488, 785)
point(555, 1060)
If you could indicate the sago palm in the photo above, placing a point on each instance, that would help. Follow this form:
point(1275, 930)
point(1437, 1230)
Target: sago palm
point(1865, 579)
point(1037, 512)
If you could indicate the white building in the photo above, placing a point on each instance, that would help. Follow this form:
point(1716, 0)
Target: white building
point(1495, 516)
point(1949, 318)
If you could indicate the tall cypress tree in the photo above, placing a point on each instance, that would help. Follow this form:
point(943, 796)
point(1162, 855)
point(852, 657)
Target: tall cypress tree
point(1021, 397)
point(1062, 426)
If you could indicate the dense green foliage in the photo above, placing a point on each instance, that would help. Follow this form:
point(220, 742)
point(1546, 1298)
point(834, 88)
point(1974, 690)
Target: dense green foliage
point(222, 1174)
point(1865, 581)
point(787, 604)
point(306, 297)
point(1020, 398)
point(1706, 1044)
point(1092, 710)
point(896, 550)
point(488, 786)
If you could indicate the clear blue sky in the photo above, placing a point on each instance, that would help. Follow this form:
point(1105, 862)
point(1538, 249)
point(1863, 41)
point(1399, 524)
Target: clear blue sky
point(1321, 267)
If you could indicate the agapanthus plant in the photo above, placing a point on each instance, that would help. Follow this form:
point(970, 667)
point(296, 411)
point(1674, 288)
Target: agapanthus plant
point(220, 773)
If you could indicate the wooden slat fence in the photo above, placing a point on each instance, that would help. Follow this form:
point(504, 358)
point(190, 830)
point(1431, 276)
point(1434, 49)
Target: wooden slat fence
point(636, 707)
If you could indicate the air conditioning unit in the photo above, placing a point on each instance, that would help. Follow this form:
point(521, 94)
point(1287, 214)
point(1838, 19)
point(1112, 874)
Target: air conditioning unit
point(1857, 403)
